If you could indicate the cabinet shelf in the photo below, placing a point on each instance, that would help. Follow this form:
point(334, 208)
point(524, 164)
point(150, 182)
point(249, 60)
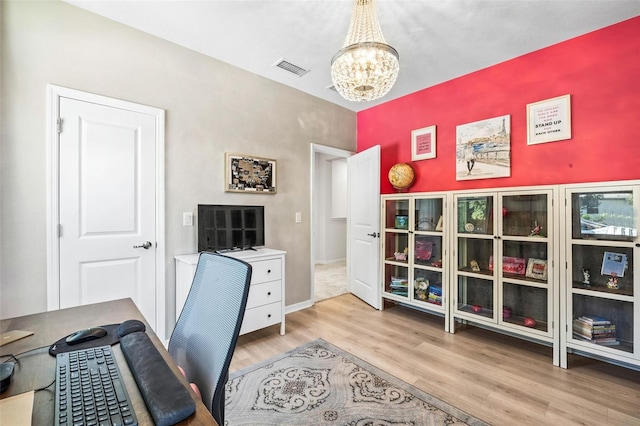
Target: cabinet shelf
point(483, 312)
point(518, 320)
point(604, 292)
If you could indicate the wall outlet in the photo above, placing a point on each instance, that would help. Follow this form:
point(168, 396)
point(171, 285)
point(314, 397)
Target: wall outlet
point(298, 217)
point(187, 219)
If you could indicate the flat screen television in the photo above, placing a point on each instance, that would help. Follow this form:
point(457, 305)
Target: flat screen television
point(229, 227)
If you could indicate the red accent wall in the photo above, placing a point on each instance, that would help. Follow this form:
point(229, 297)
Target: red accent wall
point(601, 72)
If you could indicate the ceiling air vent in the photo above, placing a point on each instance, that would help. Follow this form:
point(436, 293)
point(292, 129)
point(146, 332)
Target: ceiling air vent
point(292, 68)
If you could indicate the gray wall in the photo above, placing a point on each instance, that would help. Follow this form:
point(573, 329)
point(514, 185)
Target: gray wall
point(211, 108)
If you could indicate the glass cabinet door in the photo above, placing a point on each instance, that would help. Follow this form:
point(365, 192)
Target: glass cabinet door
point(602, 269)
point(524, 237)
point(428, 252)
point(475, 251)
point(396, 247)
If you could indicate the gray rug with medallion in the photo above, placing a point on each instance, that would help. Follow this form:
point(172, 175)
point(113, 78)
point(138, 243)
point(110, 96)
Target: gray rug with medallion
point(320, 384)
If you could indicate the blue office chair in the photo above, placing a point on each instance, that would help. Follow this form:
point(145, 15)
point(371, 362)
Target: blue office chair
point(208, 327)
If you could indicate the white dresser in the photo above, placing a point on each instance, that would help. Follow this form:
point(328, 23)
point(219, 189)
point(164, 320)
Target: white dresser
point(265, 305)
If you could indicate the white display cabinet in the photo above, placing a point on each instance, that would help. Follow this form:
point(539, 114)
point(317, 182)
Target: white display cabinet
point(602, 284)
point(504, 271)
point(414, 248)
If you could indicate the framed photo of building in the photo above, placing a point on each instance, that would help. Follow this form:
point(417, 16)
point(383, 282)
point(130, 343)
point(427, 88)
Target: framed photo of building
point(549, 120)
point(249, 174)
point(423, 143)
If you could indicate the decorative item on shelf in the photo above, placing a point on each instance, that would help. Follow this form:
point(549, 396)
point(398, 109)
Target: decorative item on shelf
point(469, 227)
point(506, 312)
point(401, 255)
point(475, 267)
point(537, 268)
point(440, 226)
point(530, 322)
point(514, 265)
point(614, 263)
point(366, 67)
point(437, 263)
point(586, 274)
point(536, 231)
point(476, 308)
point(424, 249)
point(425, 224)
point(401, 176)
point(402, 222)
point(613, 281)
point(421, 286)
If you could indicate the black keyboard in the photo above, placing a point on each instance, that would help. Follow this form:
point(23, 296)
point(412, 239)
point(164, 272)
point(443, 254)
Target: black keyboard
point(90, 390)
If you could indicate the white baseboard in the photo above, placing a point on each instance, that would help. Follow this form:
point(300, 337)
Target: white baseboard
point(298, 306)
point(328, 262)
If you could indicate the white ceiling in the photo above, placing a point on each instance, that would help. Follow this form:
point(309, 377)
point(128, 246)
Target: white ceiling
point(437, 40)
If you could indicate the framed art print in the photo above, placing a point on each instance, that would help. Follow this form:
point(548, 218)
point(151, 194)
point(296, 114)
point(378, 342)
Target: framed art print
point(549, 120)
point(423, 143)
point(249, 174)
point(483, 149)
point(537, 268)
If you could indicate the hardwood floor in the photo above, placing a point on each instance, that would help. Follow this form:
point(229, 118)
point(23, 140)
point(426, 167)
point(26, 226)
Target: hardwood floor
point(499, 379)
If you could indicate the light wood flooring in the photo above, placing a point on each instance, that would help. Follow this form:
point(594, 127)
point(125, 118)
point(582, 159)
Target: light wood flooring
point(499, 379)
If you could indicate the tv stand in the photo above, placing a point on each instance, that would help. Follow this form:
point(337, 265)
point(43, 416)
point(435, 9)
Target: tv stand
point(265, 305)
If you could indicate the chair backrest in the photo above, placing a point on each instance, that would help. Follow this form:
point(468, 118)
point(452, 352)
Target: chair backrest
point(208, 327)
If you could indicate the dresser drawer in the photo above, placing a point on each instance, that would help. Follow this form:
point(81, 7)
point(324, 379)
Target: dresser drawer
point(264, 294)
point(266, 270)
point(260, 317)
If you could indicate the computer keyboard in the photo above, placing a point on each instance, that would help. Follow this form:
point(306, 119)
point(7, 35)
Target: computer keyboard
point(90, 390)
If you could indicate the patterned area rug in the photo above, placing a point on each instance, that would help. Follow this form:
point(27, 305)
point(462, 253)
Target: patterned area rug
point(320, 384)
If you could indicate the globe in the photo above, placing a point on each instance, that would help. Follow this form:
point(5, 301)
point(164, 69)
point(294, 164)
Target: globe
point(401, 176)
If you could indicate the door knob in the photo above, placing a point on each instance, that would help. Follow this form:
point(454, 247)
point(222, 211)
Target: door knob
point(145, 245)
point(373, 234)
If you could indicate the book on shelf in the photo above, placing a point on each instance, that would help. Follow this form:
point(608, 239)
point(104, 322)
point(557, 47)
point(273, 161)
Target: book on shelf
point(605, 341)
point(594, 320)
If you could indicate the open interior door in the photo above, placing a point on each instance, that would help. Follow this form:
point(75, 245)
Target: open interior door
point(363, 226)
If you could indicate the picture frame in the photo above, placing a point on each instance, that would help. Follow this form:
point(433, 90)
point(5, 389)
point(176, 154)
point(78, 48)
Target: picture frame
point(423, 143)
point(537, 268)
point(549, 120)
point(613, 264)
point(250, 174)
point(483, 149)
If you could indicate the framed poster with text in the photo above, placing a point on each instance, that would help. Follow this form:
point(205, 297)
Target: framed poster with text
point(423, 143)
point(549, 120)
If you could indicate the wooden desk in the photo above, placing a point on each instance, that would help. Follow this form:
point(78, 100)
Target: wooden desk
point(37, 369)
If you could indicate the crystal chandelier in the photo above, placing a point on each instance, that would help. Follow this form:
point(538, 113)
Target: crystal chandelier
point(366, 67)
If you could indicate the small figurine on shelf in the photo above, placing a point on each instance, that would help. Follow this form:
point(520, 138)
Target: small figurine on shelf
point(613, 281)
point(475, 267)
point(537, 229)
point(587, 277)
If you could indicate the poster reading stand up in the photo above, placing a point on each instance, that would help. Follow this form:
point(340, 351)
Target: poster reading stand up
point(549, 120)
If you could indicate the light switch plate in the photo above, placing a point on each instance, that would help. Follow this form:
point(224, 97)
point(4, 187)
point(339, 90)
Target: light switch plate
point(187, 219)
point(298, 217)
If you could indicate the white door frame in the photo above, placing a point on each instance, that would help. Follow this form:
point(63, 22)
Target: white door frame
point(54, 93)
point(340, 153)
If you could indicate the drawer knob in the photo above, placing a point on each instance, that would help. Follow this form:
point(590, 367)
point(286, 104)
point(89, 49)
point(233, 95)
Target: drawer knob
point(269, 294)
point(268, 271)
point(269, 316)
